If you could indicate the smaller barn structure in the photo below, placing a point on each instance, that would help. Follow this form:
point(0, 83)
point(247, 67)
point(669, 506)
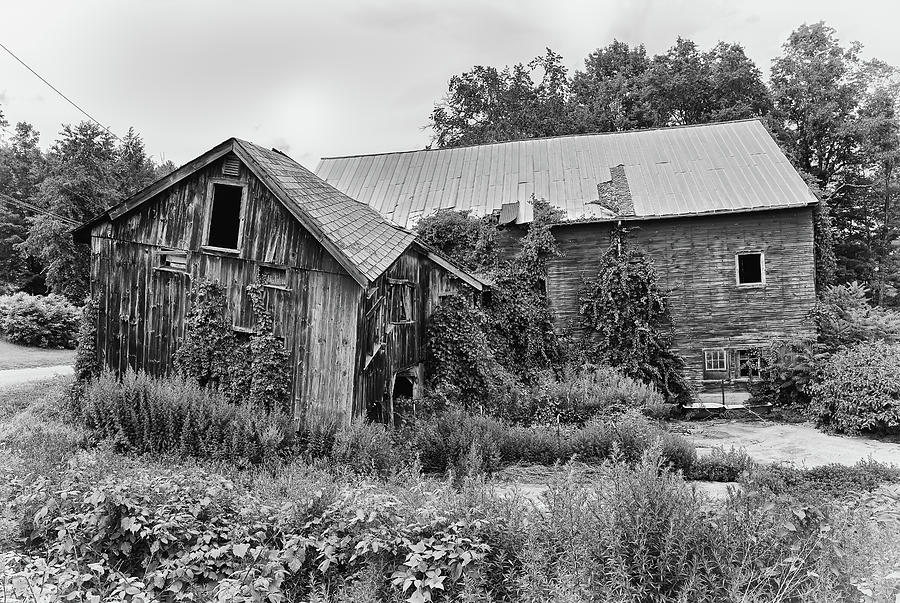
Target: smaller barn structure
point(350, 292)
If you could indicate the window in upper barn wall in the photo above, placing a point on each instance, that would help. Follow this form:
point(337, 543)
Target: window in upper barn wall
point(750, 268)
point(402, 294)
point(224, 221)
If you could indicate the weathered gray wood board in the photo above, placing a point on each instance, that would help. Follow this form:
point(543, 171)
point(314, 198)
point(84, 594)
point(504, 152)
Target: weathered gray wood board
point(323, 314)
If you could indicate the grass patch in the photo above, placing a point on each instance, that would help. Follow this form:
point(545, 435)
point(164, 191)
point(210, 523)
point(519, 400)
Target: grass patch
point(14, 356)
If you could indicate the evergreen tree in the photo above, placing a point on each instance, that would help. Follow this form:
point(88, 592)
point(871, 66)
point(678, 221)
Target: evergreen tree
point(22, 168)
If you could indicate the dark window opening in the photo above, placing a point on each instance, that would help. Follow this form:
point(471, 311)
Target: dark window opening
point(750, 268)
point(748, 363)
point(403, 387)
point(225, 220)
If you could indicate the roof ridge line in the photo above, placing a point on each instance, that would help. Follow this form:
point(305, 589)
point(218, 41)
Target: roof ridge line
point(558, 136)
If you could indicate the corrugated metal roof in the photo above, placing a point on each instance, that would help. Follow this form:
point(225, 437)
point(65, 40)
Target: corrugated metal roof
point(360, 234)
point(722, 167)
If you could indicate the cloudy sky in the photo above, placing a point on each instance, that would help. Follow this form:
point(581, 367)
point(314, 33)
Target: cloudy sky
point(335, 77)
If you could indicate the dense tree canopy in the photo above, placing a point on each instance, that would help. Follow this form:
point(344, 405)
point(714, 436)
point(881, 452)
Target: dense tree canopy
point(85, 171)
point(620, 88)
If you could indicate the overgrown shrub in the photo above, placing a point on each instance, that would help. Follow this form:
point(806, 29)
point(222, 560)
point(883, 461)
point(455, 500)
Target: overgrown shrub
point(722, 466)
point(460, 359)
point(844, 316)
point(174, 415)
point(206, 350)
point(520, 322)
point(468, 443)
point(589, 390)
point(625, 321)
point(788, 371)
point(253, 372)
point(44, 321)
point(366, 448)
point(468, 240)
point(859, 389)
point(152, 534)
point(87, 362)
point(832, 481)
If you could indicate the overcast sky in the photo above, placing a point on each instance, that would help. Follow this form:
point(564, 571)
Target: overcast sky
point(338, 78)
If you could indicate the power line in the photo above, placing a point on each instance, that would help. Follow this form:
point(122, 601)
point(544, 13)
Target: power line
point(35, 208)
point(57, 90)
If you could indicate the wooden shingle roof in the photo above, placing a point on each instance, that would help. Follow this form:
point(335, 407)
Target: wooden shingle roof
point(358, 233)
point(358, 237)
point(693, 170)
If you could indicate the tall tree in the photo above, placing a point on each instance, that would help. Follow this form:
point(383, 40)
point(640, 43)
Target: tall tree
point(608, 95)
point(686, 86)
point(816, 94)
point(879, 129)
point(736, 84)
point(836, 116)
point(490, 105)
point(22, 168)
point(133, 170)
point(80, 184)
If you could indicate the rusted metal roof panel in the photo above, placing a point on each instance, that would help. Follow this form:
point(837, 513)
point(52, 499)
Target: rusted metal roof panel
point(723, 167)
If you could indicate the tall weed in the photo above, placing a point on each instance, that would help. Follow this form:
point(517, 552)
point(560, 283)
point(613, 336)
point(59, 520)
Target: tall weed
point(142, 414)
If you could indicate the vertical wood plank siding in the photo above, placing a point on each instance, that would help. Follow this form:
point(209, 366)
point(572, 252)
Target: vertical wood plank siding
point(404, 342)
point(142, 308)
point(695, 260)
point(321, 312)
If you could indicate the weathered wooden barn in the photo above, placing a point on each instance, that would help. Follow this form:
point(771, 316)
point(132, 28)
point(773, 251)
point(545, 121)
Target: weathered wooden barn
point(350, 292)
point(726, 218)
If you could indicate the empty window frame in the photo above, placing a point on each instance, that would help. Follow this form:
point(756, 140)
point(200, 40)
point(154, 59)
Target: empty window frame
point(224, 225)
point(402, 295)
point(171, 259)
point(748, 363)
point(271, 276)
point(715, 361)
point(750, 268)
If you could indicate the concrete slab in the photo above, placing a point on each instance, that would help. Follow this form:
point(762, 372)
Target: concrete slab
point(801, 444)
point(26, 375)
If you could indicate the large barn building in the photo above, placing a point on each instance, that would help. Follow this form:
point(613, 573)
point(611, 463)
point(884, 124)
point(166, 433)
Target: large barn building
point(726, 218)
point(350, 292)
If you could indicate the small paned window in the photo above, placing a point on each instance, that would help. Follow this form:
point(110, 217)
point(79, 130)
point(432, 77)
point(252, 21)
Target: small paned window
point(402, 294)
point(225, 216)
point(715, 361)
point(748, 363)
point(750, 268)
point(171, 259)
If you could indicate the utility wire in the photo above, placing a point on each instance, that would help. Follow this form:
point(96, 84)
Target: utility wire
point(57, 90)
point(25, 205)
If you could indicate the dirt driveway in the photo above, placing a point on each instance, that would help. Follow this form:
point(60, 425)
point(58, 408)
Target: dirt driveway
point(801, 443)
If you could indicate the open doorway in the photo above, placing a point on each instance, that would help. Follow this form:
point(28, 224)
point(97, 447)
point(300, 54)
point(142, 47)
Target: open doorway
point(405, 391)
